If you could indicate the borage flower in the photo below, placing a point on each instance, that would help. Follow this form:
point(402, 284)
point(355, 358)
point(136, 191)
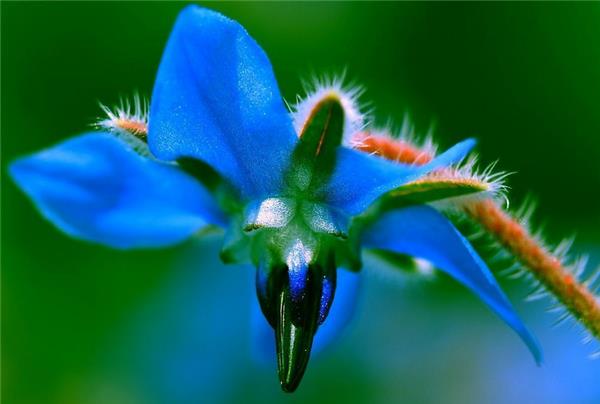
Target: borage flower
point(293, 191)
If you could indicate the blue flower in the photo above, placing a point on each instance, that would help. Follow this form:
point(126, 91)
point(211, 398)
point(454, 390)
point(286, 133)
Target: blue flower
point(294, 198)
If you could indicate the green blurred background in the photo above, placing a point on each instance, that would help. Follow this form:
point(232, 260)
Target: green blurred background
point(85, 324)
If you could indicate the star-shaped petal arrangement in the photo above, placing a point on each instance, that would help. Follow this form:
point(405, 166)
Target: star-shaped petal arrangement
point(293, 193)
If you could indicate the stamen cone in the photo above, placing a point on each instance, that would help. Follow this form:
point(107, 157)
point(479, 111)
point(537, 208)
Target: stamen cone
point(294, 338)
point(295, 308)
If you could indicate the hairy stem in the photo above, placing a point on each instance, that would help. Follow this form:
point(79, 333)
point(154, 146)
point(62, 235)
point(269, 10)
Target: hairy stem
point(510, 233)
point(547, 268)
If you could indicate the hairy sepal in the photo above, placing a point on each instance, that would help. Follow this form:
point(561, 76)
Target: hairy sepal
point(431, 189)
point(315, 154)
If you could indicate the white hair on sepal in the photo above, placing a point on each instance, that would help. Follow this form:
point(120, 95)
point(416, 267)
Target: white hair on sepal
point(134, 112)
point(493, 183)
point(128, 121)
point(495, 180)
point(355, 118)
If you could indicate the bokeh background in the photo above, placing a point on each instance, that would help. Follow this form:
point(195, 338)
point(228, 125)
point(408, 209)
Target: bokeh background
point(85, 324)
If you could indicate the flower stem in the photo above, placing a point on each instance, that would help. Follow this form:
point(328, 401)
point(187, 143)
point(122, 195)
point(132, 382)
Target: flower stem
point(510, 233)
point(547, 268)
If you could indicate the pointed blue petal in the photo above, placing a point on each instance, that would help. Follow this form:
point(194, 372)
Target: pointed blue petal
point(359, 178)
point(216, 99)
point(96, 188)
point(423, 232)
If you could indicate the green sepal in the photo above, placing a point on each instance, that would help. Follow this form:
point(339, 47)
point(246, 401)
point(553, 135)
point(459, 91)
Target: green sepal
point(313, 159)
point(269, 213)
point(324, 219)
point(323, 130)
point(431, 190)
point(236, 247)
point(224, 193)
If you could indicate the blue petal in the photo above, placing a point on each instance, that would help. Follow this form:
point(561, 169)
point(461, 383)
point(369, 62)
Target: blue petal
point(216, 99)
point(359, 178)
point(96, 188)
point(423, 232)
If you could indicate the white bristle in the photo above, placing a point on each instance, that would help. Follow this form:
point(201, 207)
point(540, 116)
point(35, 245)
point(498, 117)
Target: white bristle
point(354, 119)
point(135, 111)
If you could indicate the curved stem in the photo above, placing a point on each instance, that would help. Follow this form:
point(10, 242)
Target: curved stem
point(510, 233)
point(547, 268)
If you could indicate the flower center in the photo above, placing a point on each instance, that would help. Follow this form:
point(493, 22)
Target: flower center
point(296, 242)
point(294, 249)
